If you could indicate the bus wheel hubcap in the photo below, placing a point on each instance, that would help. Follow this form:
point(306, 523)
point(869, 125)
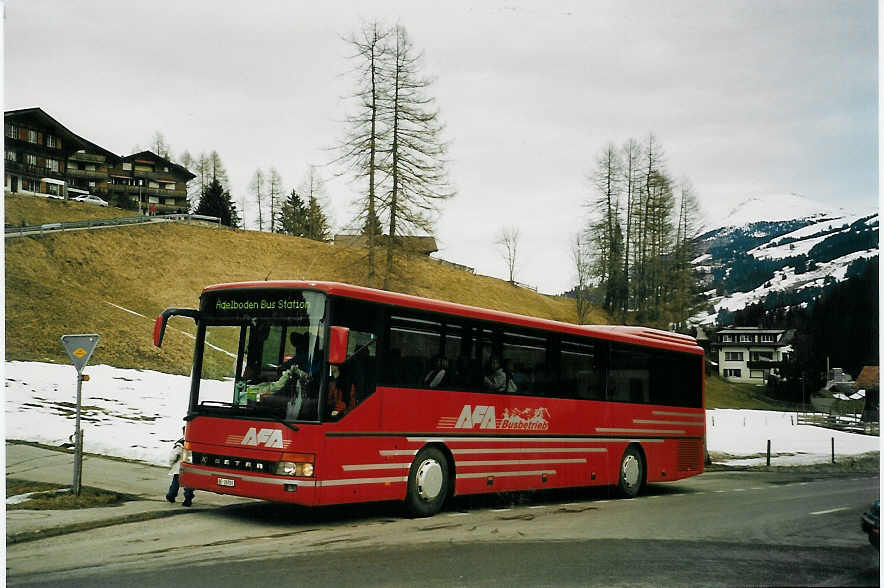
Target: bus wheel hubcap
point(429, 479)
point(631, 470)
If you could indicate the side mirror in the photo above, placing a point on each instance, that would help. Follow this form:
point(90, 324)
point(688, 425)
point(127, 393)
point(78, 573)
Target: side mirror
point(159, 329)
point(159, 326)
point(339, 340)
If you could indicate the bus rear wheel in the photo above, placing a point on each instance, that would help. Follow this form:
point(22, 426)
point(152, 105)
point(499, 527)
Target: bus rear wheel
point(428, 482)
point(632, 472)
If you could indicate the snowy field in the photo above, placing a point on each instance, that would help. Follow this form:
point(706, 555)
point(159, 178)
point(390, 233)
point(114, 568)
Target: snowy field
point(138, 414)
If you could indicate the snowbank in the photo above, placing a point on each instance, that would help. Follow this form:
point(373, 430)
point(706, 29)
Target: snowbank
point(137, 414)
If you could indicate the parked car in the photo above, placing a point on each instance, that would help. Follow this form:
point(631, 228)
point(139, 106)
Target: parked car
point(871, 523)
point(92, 199)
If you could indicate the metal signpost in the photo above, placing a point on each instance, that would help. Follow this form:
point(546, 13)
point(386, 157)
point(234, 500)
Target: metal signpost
point(79, 348)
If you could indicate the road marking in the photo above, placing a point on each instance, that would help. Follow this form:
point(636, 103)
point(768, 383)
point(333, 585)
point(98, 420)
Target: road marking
point(739, 489)
point(757, 488)
point(720, 491)
point(831, 510)
point(573, 504)
point(602, 501)
point(459, 514)
point(803, 483)
point(539, 506)
point(500, 509)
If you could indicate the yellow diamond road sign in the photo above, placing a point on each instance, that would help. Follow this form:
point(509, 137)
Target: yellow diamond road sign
point(79, 348)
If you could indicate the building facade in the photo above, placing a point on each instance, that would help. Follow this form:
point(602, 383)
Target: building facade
point(45, 158)
point(751, 354)
point(155, 184)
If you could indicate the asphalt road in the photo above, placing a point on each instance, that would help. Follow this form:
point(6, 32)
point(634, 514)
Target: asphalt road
point(716, 529)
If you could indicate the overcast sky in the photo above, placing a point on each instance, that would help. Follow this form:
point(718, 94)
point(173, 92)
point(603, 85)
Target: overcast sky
point(746, 98)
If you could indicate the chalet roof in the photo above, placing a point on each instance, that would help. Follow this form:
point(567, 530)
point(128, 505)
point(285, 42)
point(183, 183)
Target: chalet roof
point(150, 155)
point(745, 330)
point(40, 115)
point(869, 377)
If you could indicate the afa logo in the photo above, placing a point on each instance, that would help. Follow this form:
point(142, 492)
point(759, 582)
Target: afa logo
point(483, 416)
point(270, 438)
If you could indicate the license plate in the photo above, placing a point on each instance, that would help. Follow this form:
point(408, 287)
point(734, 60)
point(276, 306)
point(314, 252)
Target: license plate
point(226, 482)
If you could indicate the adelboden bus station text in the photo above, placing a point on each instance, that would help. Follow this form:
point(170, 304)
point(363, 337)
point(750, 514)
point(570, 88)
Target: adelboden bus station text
point(263, 304)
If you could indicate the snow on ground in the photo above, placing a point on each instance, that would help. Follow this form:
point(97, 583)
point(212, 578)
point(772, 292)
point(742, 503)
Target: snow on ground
point(137, 414)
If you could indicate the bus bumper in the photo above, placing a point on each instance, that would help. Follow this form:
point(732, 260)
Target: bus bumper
point(275, 488)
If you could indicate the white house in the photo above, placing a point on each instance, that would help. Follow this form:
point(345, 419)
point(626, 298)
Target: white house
point(751, 354)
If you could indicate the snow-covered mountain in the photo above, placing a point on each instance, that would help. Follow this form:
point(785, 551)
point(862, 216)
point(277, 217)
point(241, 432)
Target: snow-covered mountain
point(776, 207)
point(784, 246)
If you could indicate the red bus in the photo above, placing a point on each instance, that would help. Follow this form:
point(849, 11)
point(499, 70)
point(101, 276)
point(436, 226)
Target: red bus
point(323, 393)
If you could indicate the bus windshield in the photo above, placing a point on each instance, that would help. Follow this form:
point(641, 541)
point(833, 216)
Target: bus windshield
point(260, 354)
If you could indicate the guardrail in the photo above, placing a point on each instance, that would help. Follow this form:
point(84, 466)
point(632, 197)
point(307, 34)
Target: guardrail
point(105, 222)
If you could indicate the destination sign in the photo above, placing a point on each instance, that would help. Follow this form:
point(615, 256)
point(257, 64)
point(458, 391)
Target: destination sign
point(259, 304)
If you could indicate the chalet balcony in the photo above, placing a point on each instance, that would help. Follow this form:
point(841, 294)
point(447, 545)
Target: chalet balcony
point(764, 364)
point(147, 191)
point(32, 170)
point(87, 157)
point(89, 174)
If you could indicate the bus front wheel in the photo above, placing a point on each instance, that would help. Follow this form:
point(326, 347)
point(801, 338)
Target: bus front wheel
point(632, 472)
point(427, 483)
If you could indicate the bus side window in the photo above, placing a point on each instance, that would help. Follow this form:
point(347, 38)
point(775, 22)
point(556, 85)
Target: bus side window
point(422, 338)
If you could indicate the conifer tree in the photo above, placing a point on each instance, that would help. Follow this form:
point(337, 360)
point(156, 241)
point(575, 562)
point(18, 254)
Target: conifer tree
point(216, 202)
point(293, 216)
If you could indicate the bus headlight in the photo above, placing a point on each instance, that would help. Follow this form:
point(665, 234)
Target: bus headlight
point(296, 464)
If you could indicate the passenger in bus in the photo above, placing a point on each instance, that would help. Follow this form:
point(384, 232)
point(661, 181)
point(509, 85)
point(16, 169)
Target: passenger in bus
point(438, 374)
point(341, 394)
point(497, 380)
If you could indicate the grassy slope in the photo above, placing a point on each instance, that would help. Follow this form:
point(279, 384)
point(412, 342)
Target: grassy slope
point(20, 209)
point(723, 394)
point(63, 283)
point(66, 283)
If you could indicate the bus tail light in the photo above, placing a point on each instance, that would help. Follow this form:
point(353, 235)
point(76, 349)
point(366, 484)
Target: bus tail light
point(296, 464)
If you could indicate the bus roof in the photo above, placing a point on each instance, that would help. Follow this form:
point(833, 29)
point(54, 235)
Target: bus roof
point(626, 334)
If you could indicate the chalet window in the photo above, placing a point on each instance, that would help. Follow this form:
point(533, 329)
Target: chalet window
point(52, 165)
point(12, 131)
point(127, 167)
point(726, 338)
point(733, 356)
point(745, 338)
point(11, 156)
point(153, 199)
point(32, 136)
point(51, 142)
point(166, 168)
point(761, 355)
point(170, 186)
point(31, 159)
point(767, 339)
point(154, 185)
point(731, 373)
